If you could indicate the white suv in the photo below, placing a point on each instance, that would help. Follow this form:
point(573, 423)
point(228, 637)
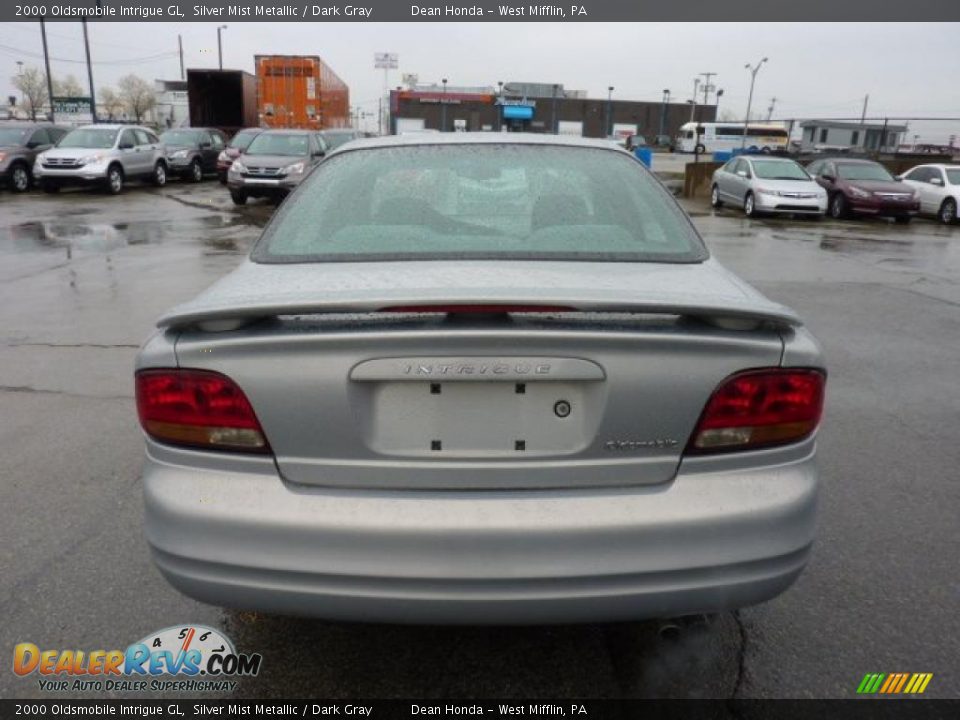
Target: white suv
point(105, 155)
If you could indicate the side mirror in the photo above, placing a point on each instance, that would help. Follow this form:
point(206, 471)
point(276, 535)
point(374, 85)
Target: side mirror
point(125, 146)
point(32, 145)
point(827, 178)
point(742, 173)
point(318, 153)
point(937, 181)
point(206, 145)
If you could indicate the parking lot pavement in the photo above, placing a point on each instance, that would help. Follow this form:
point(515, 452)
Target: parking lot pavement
point(83, 276)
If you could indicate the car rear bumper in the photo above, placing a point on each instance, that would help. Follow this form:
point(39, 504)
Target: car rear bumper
point(707, 541)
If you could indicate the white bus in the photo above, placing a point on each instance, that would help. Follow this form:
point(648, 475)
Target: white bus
point(729, 136)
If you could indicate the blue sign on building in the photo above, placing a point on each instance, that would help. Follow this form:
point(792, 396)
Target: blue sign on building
point(517, 112)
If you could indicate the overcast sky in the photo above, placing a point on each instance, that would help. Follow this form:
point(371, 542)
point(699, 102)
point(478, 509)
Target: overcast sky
point(818, 69)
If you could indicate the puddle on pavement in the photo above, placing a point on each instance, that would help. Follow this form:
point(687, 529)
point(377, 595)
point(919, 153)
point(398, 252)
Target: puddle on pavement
point(76, 235)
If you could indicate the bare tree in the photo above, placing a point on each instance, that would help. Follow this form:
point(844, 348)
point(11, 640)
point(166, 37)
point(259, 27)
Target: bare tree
point(32, 83)
point(110, 102)
point(68, 87)
point(137, 95)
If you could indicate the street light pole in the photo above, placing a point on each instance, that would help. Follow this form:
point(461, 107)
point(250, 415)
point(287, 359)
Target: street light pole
point(499, 105)
point(608, 130)
point(553, 121)
point(663, 110)
point(443, 108)
point(693, 103)
point(220, 44)
point(753, 78)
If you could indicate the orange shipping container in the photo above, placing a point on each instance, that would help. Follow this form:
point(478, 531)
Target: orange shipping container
point(300, 91)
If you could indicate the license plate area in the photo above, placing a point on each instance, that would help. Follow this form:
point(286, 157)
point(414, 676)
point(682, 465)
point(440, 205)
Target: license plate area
point(517, 419)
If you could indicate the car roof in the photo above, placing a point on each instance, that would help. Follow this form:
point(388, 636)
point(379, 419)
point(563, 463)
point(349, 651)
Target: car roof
point(849, 160)
point(481, 138)
point(111, 126)
point(27, 125)
point(766, 158)
point(286, 131)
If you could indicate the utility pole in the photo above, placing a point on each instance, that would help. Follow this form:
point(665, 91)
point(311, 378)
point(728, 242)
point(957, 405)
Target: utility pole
point(773, 103)
point(753, 78)
point(93, 97)
point(180, 46)
point(707, 87)
point(220, 44)
point(46, 62)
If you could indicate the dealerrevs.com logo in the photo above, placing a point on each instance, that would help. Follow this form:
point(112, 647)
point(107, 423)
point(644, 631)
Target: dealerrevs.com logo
point(199, 657)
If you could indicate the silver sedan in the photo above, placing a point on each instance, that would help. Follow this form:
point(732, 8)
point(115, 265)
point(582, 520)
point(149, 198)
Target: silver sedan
point(762, 185)
point(480, 379)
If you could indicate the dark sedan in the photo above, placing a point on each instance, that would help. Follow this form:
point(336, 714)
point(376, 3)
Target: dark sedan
point(192, 152)
point(863, 187)
point(19, 146)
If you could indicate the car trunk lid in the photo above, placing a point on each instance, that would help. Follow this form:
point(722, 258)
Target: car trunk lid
point(604, 395)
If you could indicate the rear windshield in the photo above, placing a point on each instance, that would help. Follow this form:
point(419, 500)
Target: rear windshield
point(243, 138)
point(89, 138)
point(863, 171)
point(336, 139)
point(779, 170)
point(181, 137)
point(480, 202)
point(13, 136)
point(267, 144)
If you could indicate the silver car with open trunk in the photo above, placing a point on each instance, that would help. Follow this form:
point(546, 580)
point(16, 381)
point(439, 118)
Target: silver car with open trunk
point(480, 379)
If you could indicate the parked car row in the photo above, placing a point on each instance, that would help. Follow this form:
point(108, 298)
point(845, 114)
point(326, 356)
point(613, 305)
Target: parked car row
point(841, 186)
point(110, 155)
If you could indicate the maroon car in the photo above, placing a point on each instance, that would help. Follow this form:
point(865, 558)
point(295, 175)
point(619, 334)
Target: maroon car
point(864, 187)
point(234, 150)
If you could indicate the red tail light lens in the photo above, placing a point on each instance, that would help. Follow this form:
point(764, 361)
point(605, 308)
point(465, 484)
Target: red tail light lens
point(198, 408)
point(478, 309)
point(760, 408)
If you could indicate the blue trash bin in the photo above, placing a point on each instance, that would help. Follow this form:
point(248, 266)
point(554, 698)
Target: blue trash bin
point(644, 155)
point(722, 155)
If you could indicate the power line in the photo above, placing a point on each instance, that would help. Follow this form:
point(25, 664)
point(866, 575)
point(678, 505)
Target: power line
point(19, 52)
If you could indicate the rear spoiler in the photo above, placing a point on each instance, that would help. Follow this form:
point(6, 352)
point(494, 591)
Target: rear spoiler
point(726, 315)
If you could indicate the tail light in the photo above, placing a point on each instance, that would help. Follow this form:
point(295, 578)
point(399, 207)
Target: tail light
point(760, 408)
point(197, 408)
point(478, 309)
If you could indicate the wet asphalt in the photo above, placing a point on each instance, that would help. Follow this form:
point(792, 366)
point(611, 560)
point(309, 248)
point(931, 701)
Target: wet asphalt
point(84, 275)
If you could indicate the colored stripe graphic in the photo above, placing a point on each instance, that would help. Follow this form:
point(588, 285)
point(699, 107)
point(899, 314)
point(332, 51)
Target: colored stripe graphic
point(894, 683)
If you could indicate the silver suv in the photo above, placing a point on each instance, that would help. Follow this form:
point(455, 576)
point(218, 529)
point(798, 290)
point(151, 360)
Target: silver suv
point(103, 155)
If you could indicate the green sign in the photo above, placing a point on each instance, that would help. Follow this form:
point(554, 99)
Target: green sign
point(71, 105)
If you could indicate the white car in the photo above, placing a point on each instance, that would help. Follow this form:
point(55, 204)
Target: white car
point(939, 190)
point(764, 184)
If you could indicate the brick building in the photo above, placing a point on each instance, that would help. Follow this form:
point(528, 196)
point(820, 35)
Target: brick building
point(454, 110)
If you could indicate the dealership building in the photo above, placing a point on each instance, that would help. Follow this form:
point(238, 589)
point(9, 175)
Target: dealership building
point(534, 107)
